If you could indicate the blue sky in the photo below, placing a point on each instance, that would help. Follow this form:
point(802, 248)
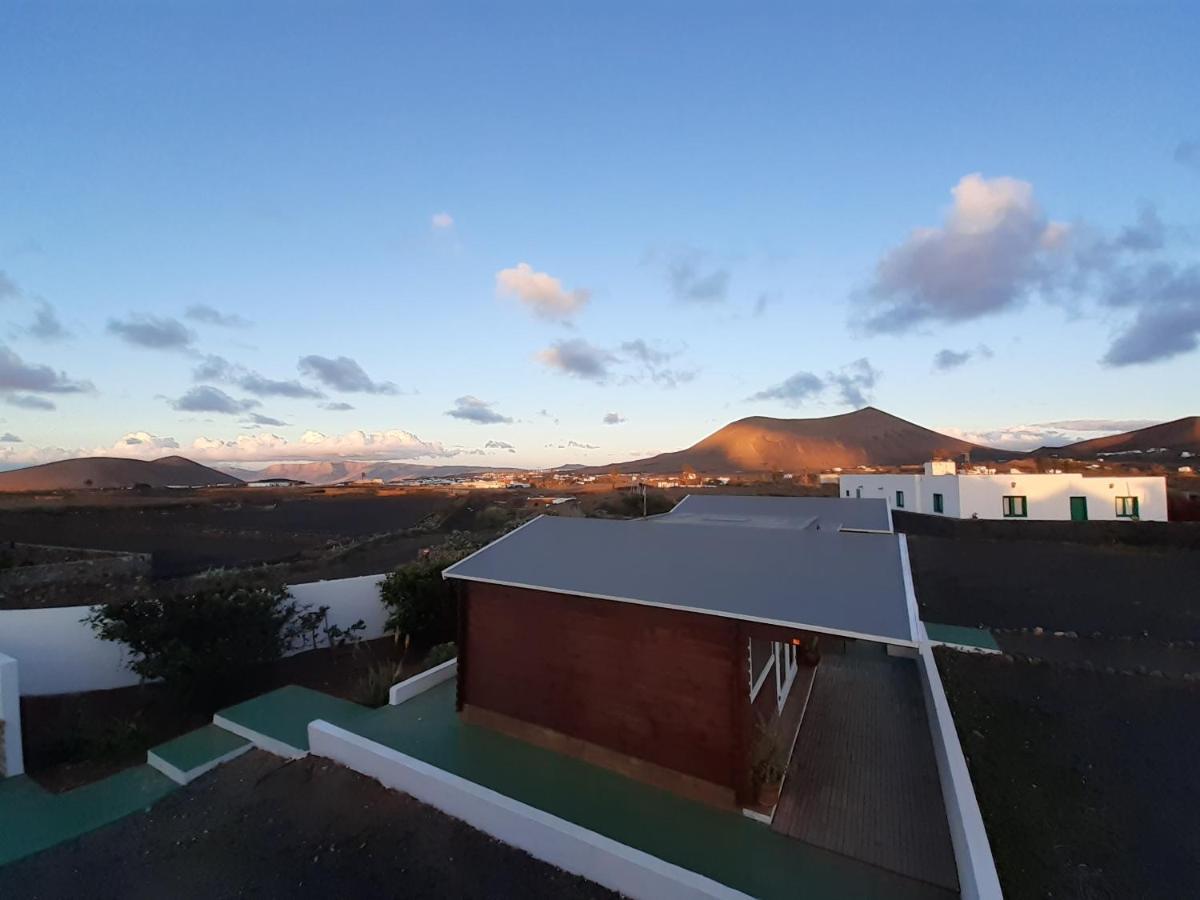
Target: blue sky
point(715, 205)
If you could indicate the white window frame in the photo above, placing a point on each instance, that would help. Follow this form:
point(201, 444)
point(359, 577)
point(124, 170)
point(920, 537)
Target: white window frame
point(757, 683)
point(786, 666)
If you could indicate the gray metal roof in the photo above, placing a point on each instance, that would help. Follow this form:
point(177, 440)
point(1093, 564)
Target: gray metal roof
point(835, 582)
point(825, 513)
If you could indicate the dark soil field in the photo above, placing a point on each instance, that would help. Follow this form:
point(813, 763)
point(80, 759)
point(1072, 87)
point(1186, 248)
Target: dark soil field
point(223, 528)
point(1114, 591)
point(73, 739)
point(262, 827)
point(1087, 781)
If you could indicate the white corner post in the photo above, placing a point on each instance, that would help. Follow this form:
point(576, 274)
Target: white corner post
point(12, 761)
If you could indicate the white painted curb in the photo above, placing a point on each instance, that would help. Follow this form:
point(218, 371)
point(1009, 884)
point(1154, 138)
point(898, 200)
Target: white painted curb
point(977, 876)
point(561, 843)
point(419, 684)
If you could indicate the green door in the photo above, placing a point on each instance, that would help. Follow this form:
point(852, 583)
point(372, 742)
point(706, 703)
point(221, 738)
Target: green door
point(1079, 509)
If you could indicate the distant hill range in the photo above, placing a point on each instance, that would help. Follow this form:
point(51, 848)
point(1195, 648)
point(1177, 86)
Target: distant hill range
point(351, 470)
point(866, 437)
point(1166, 440)
point(113, 472)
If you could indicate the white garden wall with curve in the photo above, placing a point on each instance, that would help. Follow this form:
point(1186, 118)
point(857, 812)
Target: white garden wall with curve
point(58, 652)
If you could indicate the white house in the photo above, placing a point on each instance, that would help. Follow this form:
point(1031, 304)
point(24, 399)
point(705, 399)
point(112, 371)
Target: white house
point(985, 494)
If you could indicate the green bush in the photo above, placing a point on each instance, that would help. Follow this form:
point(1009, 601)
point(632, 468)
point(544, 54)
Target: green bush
point(202, 644)
point(423, 608)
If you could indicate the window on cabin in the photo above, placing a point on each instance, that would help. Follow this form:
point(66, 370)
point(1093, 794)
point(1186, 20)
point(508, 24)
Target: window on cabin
point(899, 499)
point(1015, 508)
point(1127, 507)
point(937, 503)
point(762, 656)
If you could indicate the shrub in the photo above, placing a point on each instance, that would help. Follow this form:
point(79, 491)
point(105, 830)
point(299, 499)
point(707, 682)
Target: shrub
point(201, 644)
point(373, 688)
point(440, 653)
point(422, 605)
point(629, 504)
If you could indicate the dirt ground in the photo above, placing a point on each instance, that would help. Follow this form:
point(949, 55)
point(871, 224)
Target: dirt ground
point(74, 739)
point(260, 827)
point(1087, 781)
point(223, 528)
point(1114, 591)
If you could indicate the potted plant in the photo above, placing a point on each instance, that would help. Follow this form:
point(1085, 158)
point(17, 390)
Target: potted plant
point(770, 764)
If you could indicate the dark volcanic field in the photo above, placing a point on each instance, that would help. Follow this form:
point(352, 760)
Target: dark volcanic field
point(246, 527)
point(1087, 781)
point(1115, 590)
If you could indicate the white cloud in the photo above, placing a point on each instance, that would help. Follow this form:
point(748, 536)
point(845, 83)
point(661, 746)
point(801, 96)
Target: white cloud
point(481, 412)
point(441, 221)
point(988, 254)
point(541, 292)
point(579, 358)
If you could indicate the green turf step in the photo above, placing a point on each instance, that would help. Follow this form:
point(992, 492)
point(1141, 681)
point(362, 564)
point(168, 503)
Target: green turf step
point(278, 722)
point(32, 818)
point(189, 756)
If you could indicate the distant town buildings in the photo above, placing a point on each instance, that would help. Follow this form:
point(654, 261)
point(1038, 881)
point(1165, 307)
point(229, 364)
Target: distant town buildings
point(983, 493)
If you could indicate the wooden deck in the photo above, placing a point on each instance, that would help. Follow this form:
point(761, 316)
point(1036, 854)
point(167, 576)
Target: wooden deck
point(863, 780)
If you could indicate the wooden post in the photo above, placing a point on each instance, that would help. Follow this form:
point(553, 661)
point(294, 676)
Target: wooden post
point(462, 597)
point(743, 721)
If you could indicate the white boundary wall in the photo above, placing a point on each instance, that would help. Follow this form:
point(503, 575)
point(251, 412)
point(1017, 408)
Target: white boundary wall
point(551, 839)
point(977, 877)
point(59, 653)
point(10, 714)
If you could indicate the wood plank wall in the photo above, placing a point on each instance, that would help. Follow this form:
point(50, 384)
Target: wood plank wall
point(652, 683)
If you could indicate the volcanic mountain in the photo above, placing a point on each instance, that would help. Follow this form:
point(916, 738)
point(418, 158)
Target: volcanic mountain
point(866, 437)
point(113, 472)
point(1169, 438)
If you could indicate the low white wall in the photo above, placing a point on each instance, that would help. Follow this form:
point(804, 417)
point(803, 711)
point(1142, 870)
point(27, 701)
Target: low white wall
point(408, 688)
point(561, 843)
point(977, 877)
point(60, 654)
point(13, 762)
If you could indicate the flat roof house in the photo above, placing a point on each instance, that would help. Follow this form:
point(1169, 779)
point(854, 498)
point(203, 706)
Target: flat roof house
point(675, 648)
point(986, 494)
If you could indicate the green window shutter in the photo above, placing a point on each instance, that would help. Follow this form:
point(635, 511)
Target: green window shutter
point(1015, 507)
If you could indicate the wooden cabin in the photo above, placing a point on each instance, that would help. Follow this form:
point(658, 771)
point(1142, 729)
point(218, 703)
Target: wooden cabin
point(677, 649)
